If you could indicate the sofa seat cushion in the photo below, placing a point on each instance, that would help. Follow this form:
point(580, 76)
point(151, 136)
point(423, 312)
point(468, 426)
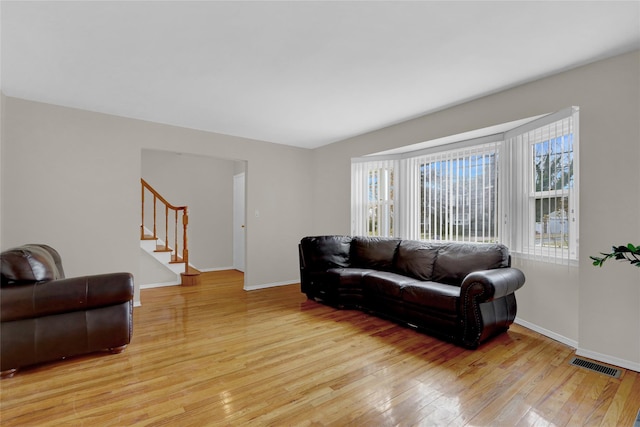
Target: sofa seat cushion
point(348, 277)
point(432, 294)
point(386, 283)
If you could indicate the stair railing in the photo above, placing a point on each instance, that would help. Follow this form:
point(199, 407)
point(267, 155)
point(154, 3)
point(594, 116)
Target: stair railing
point(178, 211)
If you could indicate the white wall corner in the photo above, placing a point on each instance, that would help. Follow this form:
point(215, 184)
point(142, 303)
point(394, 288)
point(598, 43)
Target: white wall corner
point(547, 333)
point(604, 358)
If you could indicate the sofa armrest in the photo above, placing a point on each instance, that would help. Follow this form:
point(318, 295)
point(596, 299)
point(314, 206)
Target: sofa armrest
point(487, 304)
point(486, 285)
point(64, 295)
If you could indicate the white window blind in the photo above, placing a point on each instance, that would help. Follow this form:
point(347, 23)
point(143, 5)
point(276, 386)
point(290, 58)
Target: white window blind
point(453, 195)
point(372, 198)
point(539, 188)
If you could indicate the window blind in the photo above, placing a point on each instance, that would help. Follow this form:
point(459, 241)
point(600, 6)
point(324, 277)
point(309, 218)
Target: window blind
point(372, 198)
point(539, 188)
point(451, 195)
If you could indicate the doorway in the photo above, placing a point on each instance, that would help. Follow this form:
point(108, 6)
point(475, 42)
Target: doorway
point(206, 185)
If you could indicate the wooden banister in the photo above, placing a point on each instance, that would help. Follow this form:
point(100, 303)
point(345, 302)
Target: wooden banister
point(176, 256)
point(164, 201)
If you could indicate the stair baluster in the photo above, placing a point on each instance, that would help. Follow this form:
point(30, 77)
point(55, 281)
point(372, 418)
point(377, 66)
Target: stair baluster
point(189, 276)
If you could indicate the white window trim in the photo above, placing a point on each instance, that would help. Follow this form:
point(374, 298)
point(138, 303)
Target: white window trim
point(515, 212)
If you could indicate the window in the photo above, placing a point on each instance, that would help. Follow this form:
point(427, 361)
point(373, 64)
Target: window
point(542, 221)
point(457, 195)
point(373, 200)
point(518, 187)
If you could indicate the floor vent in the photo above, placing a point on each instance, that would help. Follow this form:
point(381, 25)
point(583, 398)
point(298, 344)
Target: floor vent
point(597, 367)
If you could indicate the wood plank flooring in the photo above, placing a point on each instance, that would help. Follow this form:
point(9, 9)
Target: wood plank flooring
point(215, 355)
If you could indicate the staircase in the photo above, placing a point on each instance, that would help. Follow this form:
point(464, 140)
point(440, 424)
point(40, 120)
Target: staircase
point(162, 247)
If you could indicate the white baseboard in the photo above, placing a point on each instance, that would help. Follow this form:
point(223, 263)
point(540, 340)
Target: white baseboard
point(176, 283)
point(271, 285)
point(547, 333)
point(159, 285)
point(604, 358)
point(207, 270)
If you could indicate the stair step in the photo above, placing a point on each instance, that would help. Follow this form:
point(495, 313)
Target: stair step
point(163, 249)
point(148, 237)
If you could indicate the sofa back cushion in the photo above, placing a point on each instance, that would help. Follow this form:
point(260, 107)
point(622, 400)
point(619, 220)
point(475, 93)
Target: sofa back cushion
point(416, 259)
point(324, 252)
point(456, 260)
point(377, 253)
point(30, 264)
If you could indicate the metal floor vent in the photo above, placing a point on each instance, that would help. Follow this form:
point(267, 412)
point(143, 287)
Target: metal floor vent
point(597, 367)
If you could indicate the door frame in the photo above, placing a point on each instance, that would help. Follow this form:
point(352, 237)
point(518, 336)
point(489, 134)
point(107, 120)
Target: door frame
point(239, 222)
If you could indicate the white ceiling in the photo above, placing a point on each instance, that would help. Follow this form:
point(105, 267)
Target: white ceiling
point(300, 73)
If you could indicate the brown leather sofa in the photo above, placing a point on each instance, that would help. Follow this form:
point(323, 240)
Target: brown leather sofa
point(45, 316)
point(460, 292)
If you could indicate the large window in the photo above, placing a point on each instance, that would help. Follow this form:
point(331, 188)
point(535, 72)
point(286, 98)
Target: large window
point(518, 187)
point(457, 195)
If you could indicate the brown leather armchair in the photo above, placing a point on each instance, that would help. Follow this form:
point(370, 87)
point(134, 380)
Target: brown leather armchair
point(45, 316)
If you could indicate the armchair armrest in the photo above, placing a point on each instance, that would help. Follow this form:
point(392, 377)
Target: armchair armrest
point(64, 295)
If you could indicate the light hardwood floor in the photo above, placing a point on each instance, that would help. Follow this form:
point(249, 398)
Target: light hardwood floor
point(215, 355)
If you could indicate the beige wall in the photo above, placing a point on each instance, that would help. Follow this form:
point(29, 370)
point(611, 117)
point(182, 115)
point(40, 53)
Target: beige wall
point(70, 178)
point(596, 310)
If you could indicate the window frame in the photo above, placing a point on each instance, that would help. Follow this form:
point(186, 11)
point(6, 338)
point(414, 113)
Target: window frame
point(519, 228)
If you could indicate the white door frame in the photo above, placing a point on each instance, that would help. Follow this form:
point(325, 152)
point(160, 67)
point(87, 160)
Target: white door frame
point(239, 222)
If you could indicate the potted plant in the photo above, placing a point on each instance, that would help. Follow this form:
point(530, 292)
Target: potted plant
point(629, 253)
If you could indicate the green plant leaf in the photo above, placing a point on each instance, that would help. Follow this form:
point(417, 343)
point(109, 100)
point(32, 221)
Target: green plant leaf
point(630, 253)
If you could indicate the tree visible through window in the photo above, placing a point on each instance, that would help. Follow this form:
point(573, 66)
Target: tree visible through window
point(553, 165)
